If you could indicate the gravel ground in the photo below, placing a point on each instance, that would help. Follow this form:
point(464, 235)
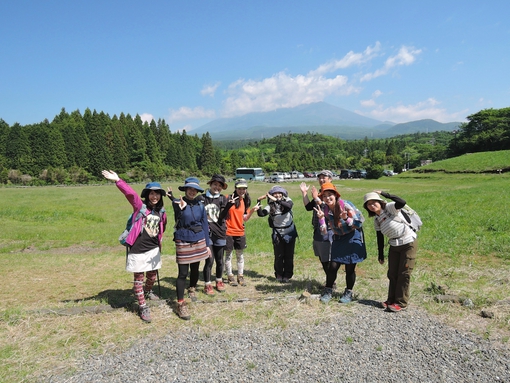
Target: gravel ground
point(366, 344)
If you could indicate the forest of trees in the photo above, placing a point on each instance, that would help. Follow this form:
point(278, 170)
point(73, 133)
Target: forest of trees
point(75, 147)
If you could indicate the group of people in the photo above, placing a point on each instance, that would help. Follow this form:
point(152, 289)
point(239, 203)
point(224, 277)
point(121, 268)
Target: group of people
point(210, 227)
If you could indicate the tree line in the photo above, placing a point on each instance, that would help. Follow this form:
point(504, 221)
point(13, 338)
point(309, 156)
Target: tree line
point(75, 147)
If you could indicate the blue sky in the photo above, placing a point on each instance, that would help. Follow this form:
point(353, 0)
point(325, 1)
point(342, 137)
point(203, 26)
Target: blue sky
point(190, 62)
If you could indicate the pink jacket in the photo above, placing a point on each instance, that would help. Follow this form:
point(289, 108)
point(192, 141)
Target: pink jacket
point(136, 202)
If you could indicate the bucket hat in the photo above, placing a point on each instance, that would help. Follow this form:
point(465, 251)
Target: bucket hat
point(220, 179)
point(278, 189)
point(330, 187)
point(191, 182)
point(152, 186)
point(371, 196)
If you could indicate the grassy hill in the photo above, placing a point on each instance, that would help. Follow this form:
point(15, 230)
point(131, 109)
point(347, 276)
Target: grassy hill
point(484, 162)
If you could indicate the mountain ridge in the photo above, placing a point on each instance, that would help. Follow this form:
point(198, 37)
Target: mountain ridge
point(317, 117)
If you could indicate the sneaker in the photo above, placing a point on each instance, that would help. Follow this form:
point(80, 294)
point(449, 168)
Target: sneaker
point(326, 295)
point(192, 294)
point(395, 307)
point(346, 297)
point(232, 280)
point(240, 280)
point(286, 280)
point(145, 314)
point(151, 296)
point(385, 304)
point(182, 310)
point(208, 289)
point(220, 286)
point(279, 278)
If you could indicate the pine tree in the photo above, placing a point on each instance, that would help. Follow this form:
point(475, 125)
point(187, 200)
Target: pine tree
point(18, 150)
point(100, 158)
point(136, 143)
point(4, 134)
point(152, 147)
point(118, 149)
point(81, 142)
point(208, 163)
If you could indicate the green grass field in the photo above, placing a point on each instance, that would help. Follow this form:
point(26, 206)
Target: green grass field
point(59, 251)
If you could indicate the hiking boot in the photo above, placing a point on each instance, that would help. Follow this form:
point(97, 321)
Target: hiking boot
point(192, 294)
point(208, 289)
point(279, 278)
point(220, 286)
point(151, 296)
point(326, 295)
point(232, 280)
point(182, 310)
point(395, 307)
point(346, 297)
point(285, 280)
point(240, 280)
point(145, 314)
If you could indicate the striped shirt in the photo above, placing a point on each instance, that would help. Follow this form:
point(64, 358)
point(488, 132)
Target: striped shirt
point(394, 227)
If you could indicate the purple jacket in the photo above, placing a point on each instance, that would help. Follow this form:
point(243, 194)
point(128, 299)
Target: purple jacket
point(136, 202)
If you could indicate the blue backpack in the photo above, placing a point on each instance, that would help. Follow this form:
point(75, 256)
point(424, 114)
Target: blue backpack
point(129, 224)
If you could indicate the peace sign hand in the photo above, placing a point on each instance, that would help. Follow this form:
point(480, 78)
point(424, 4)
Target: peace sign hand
point(320, 213)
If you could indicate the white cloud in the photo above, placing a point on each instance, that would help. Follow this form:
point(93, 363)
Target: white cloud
point(368, 103)
point(405, 56)
point(428, 109)
point(185, 113)
point(348, 60)
point(209, 90)
point(282, 91)
point(146, 117)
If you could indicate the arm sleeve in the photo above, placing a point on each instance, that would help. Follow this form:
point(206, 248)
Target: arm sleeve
point(380, 244)
point(399, 202)
point(263, 212)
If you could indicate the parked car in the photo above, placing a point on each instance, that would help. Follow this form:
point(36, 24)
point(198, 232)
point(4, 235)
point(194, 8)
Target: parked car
point(308, 174)
point(276, 177)
point(296, 174)
point(346, 173)
point(388, 173)
point(286, 176)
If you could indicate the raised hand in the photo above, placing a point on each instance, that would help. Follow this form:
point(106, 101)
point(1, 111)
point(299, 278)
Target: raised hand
point(304, 188)
point(110, 175)
point(320, 213)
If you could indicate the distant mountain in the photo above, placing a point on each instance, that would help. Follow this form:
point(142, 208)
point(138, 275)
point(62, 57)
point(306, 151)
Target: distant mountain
point(319, 113)
point(318, 117)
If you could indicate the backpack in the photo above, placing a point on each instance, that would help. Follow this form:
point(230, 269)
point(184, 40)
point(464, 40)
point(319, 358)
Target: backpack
point(129, 224)
point(412, 218)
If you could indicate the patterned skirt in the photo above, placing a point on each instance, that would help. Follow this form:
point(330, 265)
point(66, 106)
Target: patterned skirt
point(190, 252)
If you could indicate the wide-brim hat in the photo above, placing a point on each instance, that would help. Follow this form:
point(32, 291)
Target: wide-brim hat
point(372, 196)
point(278, 189)
point(328, 186)
point(218, 178)
point(152, 186)
point(191, 182)
point(241, 183)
